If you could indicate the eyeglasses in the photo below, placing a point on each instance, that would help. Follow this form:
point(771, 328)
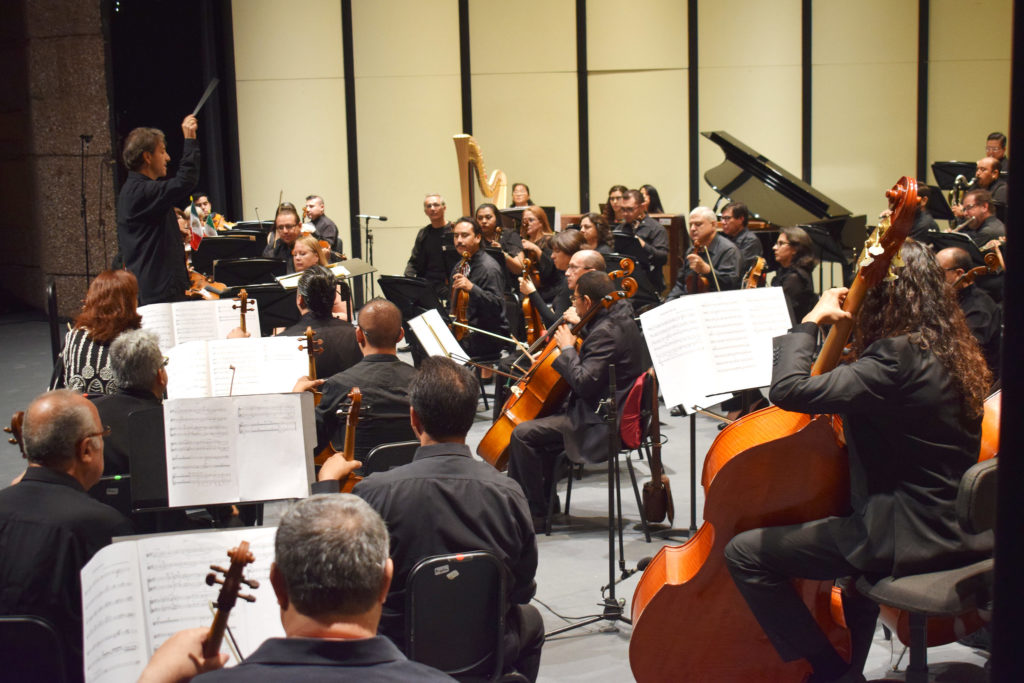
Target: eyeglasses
point(104, 433)
point(576, 297)
point(727, 218)
point(780, 243)
point(993, 149)
point(288, 227)
point(969, 206)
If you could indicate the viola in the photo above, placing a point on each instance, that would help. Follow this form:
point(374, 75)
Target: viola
point(244, 305)
point(755, 277)
point(355, 398)
point(769, 468)
point(460, 301)
point(312, 347)
point(232, 583)
point(534, 322)
point(15, 431)
point(699, 284)
point(991, 267)
point(541, 390)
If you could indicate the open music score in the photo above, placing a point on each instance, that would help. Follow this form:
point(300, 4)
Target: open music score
point(262, 365)
point(705, 345)
point(138, 592)
point(187, 321)
point(436, 338)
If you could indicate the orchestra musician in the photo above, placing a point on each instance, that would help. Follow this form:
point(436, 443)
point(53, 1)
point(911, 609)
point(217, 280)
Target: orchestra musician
point(324, 228)
point(794, 252)
point(652, 238)
point(520, 196)
point(205, 210)
point(147, 230)
point(49, 526)
point(611, 336)
point(565, 246)
point(983, 316)
point(287, 228)
point(987, 177)
point(485, 284)
point(995, 147)
point(652, 200)
point(315, 298)
point(427, 259)
point(537, 234)
point(982, 225)
point(597, 236)
point(735, 219)
point(911, 405)
point(713, 257)
point(446, 501)
point(330, 574)
point(612, 208)
point(511, 245)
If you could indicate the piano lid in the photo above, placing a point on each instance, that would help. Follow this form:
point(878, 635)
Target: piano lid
point(768, 190)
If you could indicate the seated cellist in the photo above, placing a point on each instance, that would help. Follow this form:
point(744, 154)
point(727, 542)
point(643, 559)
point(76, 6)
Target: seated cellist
point(911, 405)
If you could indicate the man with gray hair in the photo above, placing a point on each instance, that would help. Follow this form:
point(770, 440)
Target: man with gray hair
point(49, 526)
point(331, 574)
point(713, 261)
point(427, 259)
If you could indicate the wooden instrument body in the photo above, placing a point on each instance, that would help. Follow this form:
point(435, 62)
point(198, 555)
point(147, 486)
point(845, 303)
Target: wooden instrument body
point(460, 301)
point(749, 483)
point(471, 162)
point(531, 316)
point(757, 274)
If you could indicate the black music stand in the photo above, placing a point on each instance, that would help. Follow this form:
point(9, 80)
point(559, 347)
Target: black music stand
point(227, 247)
point(238, 272)
point(147, 459)
point(276, 305)
point(262, 227)
point(945, 172)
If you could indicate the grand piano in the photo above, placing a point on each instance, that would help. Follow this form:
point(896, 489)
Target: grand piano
point(780, 199)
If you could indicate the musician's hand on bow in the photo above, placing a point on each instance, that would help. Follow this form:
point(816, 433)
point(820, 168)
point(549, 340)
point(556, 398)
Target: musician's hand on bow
point(535, 251)
point(829, 309)
point(337, 467)
point(189, 127)
point(697, 264)
point(237, 333)
point(526, 286)
point(564, 337)
point(180, 658)
point(461, 282)
point(304, 383)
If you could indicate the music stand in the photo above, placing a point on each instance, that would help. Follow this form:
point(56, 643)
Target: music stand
point(516, 214)
point(238, 272)
point(413, 295)
point(276, 305)
point(942, 240)
point(937, 205)
point(213, 248)
point(945, 172)
point(260, 226)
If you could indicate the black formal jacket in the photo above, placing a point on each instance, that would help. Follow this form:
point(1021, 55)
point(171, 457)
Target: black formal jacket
point(114, 410)
point(49, 529)
point(383, 381)
point(486, 308)
point(725, 260)
point(340, 349)
point(427, 258)
point(909, 445)
point(326, 230)
point(749, 246)
point(985, 321)
point(147, 229)
point(312, 660)
point(610, 337)
point(798, 287)
point(447, 501)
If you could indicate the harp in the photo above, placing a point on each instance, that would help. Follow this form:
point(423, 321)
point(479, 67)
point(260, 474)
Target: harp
point(471, 163)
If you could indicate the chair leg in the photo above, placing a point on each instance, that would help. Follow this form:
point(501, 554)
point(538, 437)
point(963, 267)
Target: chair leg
point(483, 389)
point(639, 502)
point(575, 470)
point(917, 669)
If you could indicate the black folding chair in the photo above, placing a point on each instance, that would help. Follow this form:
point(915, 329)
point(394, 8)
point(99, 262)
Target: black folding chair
point(41, 652)
point(388, 456)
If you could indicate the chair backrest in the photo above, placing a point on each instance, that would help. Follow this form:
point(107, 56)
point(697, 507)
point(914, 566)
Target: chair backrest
point(455, 614)
point(388, 456)
point(40, 650)
point(976, 497)
point(115, 491)
point(636, 413)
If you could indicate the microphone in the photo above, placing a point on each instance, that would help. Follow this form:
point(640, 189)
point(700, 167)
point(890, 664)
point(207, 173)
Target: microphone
point(376, 218)
point(640, 566)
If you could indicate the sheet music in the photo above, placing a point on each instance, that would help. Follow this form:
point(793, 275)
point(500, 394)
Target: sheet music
point(435, 337)
point(201, 465)
point(198, 320)
point(159, 319)
point(188, 373)
point(228, 314)
point(705, 345)
point(262, 365)
point(272, 446)
point(195, 321)
point(140, 591)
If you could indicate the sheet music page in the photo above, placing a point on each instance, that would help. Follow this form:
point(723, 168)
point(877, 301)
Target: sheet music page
point(264, 365)
point(188, 371)
point(113, 622)
point(159, 319)
point(270, 446)
point(173, 569)
point(229, 317)
point(435, 336)
point(195, 320)
point(707, 344)
point(201, 466)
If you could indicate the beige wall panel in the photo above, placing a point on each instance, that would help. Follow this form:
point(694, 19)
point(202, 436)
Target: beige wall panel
point(642, 34)
point(956, 65)
point(274, 134)
point(524, 37)
point(864, 101)
point(405, 37)
point(310, 48)
point(405, 151)
point(533, 139)
point(740, 33)
point(639, 144)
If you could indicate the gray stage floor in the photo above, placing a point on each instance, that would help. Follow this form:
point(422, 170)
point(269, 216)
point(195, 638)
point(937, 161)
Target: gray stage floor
point(573, 560)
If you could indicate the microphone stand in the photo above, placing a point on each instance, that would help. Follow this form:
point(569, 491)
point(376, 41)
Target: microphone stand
point(85, 139)
point(369, 251)
point(614, 609)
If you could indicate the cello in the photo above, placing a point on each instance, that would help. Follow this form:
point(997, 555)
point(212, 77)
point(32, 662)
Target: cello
point(769, 468)
point(542, 388)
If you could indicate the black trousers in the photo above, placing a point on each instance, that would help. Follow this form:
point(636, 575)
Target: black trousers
point(762, 562)
point(531, 457)
point(524, 638)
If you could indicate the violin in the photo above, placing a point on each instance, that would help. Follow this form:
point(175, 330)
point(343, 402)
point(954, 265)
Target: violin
point(755, 277)
point(534, 323)
point(355, 398)
point(699, 284)
point(460, 300)
point(312, 347)
point(15, 431)
point(244, 305)
point(769, 468)
point(203, 288)
point(991, 267)
point(232, 583)
point(541, 390)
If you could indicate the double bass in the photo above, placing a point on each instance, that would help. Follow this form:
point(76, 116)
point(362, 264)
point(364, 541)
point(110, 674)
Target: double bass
point(769, 468)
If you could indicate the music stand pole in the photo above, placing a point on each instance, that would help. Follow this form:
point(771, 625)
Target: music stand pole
point(369, 253)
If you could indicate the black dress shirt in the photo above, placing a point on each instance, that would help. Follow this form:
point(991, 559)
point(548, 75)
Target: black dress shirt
point(909, 443)
point(49, 529)
point(147, 229)
point(990, 229)
point(749, 246)
point(326, 230)
point(446, 501)
point(985, 321)
point(725, 261)
point(280, 250)
point(340, 349)
point(383, 381)
point(114, 410)
point(427, 259)
point(486, 308)
point(924, 222)
point(798, 287)
point(367, 660)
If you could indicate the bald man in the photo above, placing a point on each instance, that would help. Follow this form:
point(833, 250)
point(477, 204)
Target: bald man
point(382, 379)
point(983, 315)
point(49, 526)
